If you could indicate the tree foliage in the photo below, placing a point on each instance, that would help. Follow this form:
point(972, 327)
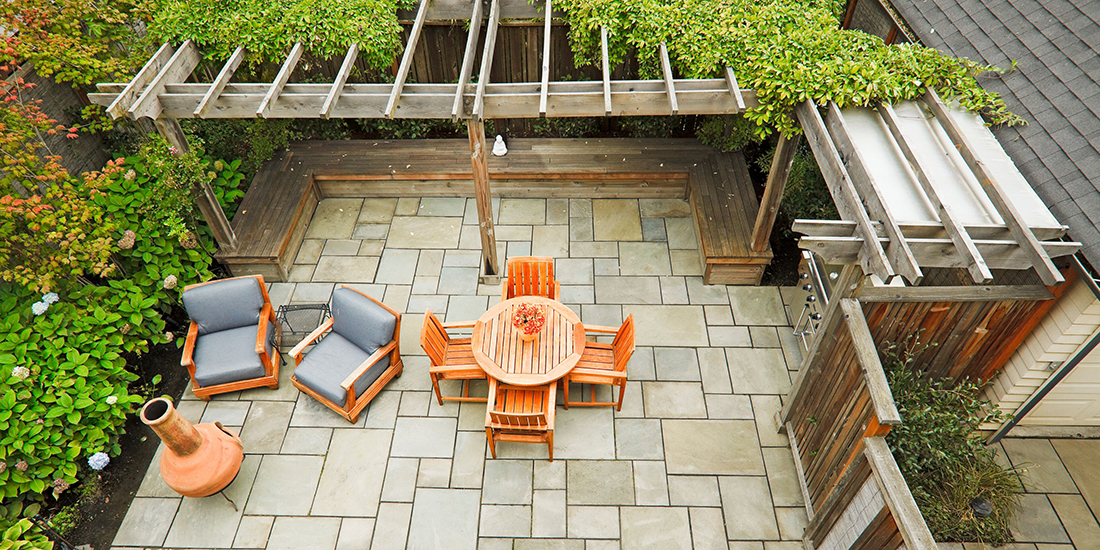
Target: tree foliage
point(78, 41)
point(788, 51)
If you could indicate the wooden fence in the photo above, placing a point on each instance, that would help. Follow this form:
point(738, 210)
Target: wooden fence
point(835, 416)
point(963, 332)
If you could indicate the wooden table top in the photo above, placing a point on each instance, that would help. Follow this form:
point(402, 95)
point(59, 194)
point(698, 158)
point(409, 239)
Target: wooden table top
point(551, 355)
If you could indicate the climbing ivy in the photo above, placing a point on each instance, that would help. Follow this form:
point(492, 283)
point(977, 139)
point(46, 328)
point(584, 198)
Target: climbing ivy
point(786, 50)
point(267, 29)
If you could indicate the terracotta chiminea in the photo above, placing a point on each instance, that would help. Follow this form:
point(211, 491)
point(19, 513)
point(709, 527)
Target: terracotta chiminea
point(200, 460)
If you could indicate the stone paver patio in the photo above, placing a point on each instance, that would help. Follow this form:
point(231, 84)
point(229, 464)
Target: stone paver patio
point(692, 460)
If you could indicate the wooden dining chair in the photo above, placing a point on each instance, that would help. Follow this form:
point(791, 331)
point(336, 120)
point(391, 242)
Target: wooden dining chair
point(451, 358)
point(523, 414)
point(530, 276)
point(603, 364)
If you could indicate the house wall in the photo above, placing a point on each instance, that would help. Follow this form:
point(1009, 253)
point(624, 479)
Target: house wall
point(1066, 327)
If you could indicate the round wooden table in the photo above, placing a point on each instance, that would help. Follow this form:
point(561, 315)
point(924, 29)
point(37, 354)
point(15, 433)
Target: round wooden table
point(499, 350)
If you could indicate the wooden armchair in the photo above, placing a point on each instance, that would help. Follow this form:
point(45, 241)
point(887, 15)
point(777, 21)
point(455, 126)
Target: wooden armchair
point(451, 358)
point(233, 341)
point(530, 276)
point(520, 413)
point(358, 356)
point(603, 364)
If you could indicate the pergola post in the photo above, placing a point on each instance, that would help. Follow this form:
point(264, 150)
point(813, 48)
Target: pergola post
point(482, 196)
point(773, 191)
point(170, 129)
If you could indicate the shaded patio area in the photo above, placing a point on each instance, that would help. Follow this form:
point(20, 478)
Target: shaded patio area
point(692, 460)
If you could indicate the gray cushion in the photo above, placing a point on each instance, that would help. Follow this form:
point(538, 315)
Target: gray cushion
point(326, 366)
point(357, 318)
point(230, 355)
point(224, 304)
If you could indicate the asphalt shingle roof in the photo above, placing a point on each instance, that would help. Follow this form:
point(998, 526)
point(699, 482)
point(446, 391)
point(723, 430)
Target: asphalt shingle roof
point(1055, 87)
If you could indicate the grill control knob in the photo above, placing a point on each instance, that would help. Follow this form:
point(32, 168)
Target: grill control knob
point(811, 298)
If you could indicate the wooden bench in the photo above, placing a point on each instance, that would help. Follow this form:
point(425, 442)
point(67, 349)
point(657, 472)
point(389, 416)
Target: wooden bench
point(724, 205)
point(273, 217)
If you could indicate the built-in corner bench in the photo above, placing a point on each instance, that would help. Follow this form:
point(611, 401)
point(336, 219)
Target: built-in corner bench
point(271, 221)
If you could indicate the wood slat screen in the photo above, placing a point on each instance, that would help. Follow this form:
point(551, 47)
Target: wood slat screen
point(972, 339)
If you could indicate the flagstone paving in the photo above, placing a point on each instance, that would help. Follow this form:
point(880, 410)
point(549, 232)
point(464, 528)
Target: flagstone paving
point(692, 460)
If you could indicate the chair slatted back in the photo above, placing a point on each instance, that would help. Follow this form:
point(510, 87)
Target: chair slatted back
point(519, 421)
point(434, 339)
point(531, 276)
point(622, 347)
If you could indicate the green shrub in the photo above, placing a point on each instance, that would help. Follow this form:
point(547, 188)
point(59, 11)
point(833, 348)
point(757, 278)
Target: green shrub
point(728, 133)
point(943, 458)
point(22, 535)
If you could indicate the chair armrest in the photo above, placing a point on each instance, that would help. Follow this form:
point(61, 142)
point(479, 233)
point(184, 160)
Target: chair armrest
point(597, 328)
point(296, 352)
point(366, 365)
point(551, 405)
point(491, 401)
point(261, 332)
point(504, 289)
point(188, 359)
point(463, 324)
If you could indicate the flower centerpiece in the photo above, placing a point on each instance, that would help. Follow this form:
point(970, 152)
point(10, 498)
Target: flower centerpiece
point(529, 319)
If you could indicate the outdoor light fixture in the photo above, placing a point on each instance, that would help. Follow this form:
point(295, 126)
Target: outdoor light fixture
point(981, 507)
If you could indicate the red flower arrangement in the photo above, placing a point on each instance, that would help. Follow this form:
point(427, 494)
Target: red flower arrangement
point(529, 318)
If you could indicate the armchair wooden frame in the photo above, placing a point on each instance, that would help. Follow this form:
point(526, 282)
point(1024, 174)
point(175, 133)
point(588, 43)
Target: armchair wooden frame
point(450, 358)
point(352, 406)
point(520, 414)
point(271, 368)
point(603, 364)
point(530, 276)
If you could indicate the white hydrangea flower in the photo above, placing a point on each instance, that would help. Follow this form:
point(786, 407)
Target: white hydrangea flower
point(39, 308)
point(21, 372)
point(99, 460)
point(50, 298)
point(112, 399)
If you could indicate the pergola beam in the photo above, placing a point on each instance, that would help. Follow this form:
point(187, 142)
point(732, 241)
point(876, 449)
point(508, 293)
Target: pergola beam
point(120, 106)
point(458, 110)
point(406, 58)
point(178, 67)
point(735, 90)
point(670, 86)
point(606, 72)
point(281, 79)
point(546, 34)
point(341, 79)
point(975, 264)
point(486, 61)
point(501, 100)
point(219, 83)
point(773, 192)
point(872, 256)
point(1031, 245)
point(901, 257)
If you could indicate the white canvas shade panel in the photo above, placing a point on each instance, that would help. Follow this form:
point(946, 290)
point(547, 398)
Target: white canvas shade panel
point(954, 182)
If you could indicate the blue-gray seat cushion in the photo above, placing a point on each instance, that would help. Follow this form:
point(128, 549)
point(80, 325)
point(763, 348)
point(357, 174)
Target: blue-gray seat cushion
point(326, 366)
point(230, 355)
point(360, 320)
point(225, 304)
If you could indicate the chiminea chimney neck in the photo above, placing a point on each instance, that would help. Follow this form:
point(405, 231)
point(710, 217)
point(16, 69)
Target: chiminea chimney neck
point(172, 428)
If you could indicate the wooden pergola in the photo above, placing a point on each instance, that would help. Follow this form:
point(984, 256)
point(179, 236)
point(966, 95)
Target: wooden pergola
point(160, 91)
point(922, 185)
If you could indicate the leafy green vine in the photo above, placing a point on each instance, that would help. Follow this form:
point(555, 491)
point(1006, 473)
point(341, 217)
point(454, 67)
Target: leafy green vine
point(788, 51)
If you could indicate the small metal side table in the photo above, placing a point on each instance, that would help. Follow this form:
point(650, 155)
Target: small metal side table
point(298, 320)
